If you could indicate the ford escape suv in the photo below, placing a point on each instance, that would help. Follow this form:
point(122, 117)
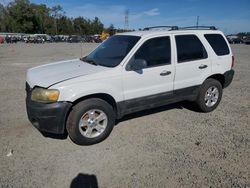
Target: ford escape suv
point(129, 72)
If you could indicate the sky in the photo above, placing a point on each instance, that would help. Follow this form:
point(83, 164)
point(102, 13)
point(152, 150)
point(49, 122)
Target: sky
point(230, 16)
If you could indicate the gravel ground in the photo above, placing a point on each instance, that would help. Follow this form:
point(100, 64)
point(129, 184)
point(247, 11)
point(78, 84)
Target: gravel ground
point(170, 146)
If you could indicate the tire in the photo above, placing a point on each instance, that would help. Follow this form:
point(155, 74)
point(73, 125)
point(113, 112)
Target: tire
point(84, 119)
point(208, 90)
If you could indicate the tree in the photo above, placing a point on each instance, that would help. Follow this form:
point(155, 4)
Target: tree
point(111, 30)
point(41, 17)
point(2, 14)
point(96, 26)
point(65, 26)
point(21, 16)
point(81, 26)
point(56, 12)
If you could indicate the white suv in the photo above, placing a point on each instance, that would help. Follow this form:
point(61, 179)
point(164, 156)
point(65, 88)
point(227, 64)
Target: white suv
point(129, 72)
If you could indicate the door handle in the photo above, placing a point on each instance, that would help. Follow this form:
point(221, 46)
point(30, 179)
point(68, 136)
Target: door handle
point(202, 66)
point(165, 73)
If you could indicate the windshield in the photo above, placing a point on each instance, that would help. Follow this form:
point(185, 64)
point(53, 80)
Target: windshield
point(112, 51)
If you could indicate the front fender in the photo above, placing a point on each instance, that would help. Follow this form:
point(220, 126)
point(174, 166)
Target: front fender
point(78, 90)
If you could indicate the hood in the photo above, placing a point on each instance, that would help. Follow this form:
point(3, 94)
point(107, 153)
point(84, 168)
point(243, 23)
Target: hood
point(50, 74)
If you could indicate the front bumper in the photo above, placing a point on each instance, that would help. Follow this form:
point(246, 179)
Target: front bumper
point(47, 117)
point(228, 77)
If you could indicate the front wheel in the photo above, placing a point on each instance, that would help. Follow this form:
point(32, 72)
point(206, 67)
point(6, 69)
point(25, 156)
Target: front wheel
point(210, 95)
point(90, 121)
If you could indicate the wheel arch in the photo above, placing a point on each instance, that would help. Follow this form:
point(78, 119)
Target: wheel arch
point(219, 77)
point(104, 96)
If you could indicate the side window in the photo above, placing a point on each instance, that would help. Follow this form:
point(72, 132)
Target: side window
point(218, 43)
point(156, 51)
point(189, 48)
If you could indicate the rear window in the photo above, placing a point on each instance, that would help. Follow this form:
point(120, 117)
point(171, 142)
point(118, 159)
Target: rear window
point(218, 43)
point(189, 48)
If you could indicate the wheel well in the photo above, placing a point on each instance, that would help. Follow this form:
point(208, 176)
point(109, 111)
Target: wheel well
point(218, 77)
point(106, 97)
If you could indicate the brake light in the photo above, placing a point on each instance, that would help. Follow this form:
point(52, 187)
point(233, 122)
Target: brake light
point(232, 62)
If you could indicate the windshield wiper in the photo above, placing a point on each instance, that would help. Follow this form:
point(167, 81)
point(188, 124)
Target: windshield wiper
point(90, 61)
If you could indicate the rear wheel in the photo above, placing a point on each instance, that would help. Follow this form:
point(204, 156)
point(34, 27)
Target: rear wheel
point(209, 96)
point(90, 121)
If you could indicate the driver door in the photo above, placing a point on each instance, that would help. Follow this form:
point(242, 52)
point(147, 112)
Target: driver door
point(155, 81)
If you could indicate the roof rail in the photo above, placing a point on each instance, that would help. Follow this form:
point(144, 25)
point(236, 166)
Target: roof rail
point(164, 26)
point(199, 28)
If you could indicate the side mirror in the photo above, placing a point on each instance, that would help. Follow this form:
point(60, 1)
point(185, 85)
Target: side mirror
point(138, 64)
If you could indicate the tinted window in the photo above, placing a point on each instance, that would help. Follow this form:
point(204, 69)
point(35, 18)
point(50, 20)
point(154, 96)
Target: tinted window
point(218, 44)
point(112, 51)
point(189, 48)
point(156, 51)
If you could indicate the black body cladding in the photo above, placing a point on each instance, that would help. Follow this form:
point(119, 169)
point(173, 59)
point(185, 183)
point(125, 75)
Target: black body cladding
point(152, 101)
point(47, 117)
point(228, 77)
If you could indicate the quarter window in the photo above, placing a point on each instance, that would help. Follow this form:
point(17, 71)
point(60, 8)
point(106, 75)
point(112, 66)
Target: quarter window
point(218, 43)
point(189, 48)
point(156, 51)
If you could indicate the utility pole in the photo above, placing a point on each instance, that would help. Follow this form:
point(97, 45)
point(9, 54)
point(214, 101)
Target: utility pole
point(197, 22)
point(126, 24)
point(55, 23)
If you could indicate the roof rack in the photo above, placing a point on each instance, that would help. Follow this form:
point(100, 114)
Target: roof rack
point(164, 26)
point(182, 28)
point(199, 28)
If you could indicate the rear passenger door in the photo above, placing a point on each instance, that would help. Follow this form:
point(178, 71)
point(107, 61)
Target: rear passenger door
point(192, 63)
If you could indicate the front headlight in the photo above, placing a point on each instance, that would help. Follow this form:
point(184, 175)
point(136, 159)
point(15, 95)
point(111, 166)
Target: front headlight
point(44, 95)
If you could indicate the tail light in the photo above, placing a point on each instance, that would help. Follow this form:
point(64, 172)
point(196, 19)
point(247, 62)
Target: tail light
point(232, 62)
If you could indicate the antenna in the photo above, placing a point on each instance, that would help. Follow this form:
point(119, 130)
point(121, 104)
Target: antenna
point(126, 23)
point(197, 21)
